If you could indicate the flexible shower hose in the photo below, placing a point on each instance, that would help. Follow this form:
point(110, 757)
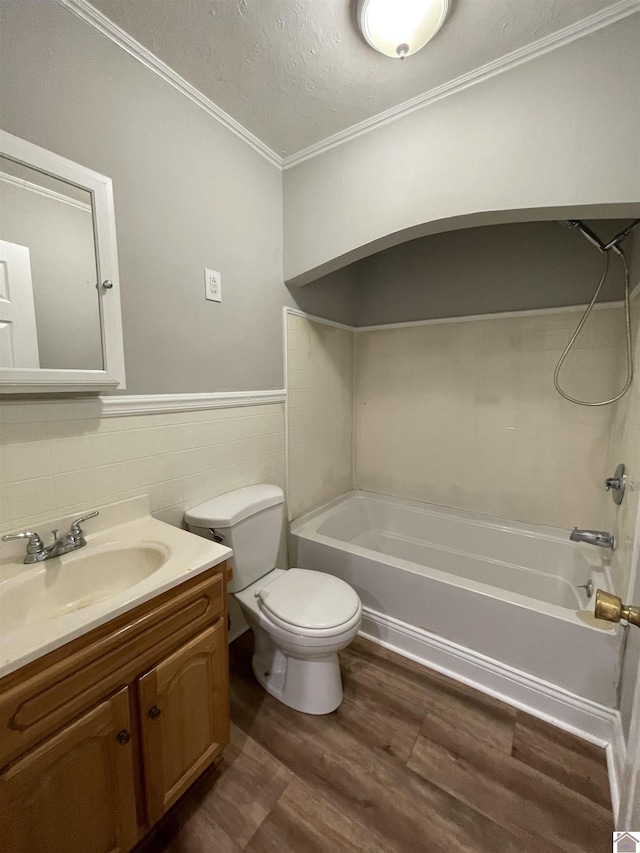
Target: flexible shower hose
point(584, 319)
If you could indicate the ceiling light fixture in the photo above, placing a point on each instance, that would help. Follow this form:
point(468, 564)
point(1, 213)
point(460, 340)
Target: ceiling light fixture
point(399, 28)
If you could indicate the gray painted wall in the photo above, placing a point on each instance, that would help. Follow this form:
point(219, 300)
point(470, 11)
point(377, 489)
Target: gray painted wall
point(479, 271)
point(189, 194)
point(559, 131)
point(334, 297)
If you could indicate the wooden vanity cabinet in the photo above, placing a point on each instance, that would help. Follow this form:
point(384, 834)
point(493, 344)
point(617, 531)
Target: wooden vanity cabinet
point(184, 712)
point(75, 792)
point(99, 738)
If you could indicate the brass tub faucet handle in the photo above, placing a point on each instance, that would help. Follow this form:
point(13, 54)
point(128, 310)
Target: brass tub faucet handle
point(611, 608)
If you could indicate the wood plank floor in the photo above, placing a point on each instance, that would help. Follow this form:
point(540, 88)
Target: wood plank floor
point(411, 761)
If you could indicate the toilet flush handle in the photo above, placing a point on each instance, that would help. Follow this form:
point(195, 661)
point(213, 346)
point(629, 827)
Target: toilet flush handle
point(216, 536)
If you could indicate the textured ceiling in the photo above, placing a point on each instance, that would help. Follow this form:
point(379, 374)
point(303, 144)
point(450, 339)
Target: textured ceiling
point(294, 72)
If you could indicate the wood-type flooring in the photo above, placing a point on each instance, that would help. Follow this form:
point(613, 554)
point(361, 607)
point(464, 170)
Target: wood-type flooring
point(411, 761)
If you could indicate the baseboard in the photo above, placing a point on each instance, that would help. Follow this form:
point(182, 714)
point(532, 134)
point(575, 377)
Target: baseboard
point(595, 723)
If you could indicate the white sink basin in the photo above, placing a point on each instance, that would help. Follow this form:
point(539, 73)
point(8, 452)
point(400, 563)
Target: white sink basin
point(129, 559)
point(77, 580)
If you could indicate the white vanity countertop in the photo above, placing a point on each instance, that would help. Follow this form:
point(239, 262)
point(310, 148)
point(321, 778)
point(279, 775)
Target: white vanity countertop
point(30, 593)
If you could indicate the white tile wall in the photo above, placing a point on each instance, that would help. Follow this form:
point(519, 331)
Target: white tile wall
point(465, 414)
point(624, 446)
point(320, 365)
point(59, 458)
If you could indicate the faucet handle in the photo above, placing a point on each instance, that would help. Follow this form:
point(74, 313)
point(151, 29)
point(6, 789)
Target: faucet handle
point(611, 608)
point(35, 543)
point(75, 525)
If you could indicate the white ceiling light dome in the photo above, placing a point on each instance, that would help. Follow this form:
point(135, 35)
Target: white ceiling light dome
point(399, 28)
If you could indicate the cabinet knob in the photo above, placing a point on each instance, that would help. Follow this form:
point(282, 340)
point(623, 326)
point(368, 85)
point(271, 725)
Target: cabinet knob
point(123, 737)
point(154, 712)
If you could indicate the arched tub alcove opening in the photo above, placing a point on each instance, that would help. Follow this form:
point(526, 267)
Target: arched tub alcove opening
point(480, 263)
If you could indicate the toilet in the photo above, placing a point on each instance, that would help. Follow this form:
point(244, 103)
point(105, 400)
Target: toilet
point(301, 619)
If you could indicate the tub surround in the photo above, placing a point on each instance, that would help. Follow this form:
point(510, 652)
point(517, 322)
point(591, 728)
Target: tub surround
point(459, 412)
point(477, 423)
point(623, 520)
point(624, 446)
point(320, 369)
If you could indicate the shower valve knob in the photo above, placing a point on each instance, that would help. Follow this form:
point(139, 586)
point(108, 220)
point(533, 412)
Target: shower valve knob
point(617, 484)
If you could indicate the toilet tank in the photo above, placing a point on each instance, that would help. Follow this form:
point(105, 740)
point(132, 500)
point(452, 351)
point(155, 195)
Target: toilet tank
point(249, 521)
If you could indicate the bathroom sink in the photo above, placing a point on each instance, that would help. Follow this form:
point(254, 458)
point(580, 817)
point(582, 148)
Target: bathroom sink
point(76, 581)
point(130, 558)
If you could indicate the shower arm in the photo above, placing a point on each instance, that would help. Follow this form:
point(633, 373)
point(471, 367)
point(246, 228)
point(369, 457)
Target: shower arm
point(613, 244)
point(593, 238)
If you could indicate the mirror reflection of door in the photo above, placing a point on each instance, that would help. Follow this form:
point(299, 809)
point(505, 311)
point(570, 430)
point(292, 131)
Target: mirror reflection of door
point(18, 337)
point(54, 221)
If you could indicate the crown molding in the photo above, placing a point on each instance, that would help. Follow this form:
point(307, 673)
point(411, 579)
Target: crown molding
point(86, 12)
point(90, 15)
point(604, 18)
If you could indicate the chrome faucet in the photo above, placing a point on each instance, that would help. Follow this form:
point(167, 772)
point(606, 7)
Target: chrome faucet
point(594, 537)
point(37, 552)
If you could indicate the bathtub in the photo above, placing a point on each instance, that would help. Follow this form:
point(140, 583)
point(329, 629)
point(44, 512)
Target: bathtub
point(503, 593)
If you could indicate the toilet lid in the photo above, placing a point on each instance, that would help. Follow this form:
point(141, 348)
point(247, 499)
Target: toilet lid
point(309, 599)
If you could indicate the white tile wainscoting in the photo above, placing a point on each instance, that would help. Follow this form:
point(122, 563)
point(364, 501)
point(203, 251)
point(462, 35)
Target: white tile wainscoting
point(60, 457)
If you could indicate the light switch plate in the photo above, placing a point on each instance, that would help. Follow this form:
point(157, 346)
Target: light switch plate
point(213, 285)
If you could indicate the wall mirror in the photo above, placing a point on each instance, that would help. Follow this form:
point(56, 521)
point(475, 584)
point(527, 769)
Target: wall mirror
point(60, 318)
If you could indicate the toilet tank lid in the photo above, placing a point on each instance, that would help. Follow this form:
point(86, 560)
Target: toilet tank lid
point(235, 506)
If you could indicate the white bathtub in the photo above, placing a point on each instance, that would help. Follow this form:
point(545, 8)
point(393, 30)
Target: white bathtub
point(500, 589)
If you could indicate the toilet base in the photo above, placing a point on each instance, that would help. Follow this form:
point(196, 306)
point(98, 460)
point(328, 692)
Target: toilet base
point(311, 685)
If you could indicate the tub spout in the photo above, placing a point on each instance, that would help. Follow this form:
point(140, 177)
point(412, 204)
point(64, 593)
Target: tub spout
point(594, 537)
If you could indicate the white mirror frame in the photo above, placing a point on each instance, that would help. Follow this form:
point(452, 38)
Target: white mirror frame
point(16, 380)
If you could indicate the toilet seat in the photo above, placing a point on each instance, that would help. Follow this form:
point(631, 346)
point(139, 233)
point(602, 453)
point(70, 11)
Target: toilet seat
point(310, 602)
point(309, 636)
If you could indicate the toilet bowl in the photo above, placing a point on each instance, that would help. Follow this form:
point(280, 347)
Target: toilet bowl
point(298, 664)
point(301, 619)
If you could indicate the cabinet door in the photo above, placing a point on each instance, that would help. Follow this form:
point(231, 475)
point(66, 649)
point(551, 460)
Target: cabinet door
point(184, 707)
point(75, 792)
